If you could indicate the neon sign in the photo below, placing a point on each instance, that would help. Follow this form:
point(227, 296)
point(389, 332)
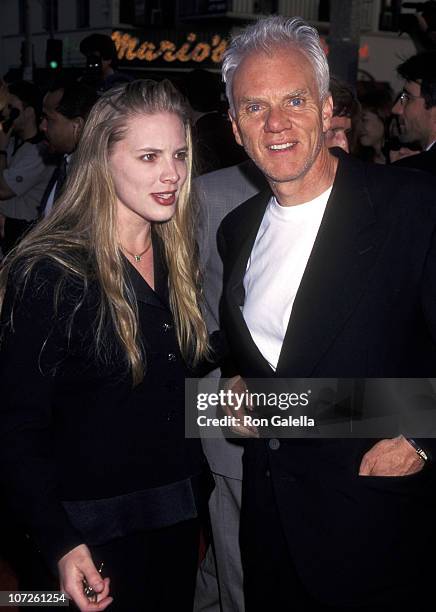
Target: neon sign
point(131, 48)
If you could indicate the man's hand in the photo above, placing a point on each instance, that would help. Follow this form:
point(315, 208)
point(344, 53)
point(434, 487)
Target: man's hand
point(238, 387)
point(73, 568)
point(393, 457)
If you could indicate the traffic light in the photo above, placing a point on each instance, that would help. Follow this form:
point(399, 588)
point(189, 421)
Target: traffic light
point(53, 54)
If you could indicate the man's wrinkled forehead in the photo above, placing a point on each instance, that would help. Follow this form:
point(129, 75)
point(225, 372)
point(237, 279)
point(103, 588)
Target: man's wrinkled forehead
point(288, 69)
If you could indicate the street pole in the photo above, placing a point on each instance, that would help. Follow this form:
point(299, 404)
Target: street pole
point(51, 15)
point(28, 60)
point(344, 39)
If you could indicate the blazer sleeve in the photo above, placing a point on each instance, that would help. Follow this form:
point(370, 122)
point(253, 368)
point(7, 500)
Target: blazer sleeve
point(27, 466)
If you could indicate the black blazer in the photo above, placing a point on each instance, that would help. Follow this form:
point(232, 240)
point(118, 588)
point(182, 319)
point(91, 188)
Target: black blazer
point(366, 307)
point(86, 458)
point(425, 161)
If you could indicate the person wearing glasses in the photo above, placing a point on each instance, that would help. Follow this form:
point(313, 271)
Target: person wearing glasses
point(100, 324)
point(416, 109)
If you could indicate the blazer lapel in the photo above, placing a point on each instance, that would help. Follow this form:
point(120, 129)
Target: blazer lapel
point(336, 275)
point(235, 293)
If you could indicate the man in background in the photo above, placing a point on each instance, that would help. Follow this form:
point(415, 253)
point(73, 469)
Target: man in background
point(101, 63)
point(65, 109)
point(416, 110)
point(24, 173)
point(344, 125)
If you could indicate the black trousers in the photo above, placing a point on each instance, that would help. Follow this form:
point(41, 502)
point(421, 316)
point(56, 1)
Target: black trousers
point(153, 570)
point(271, 581)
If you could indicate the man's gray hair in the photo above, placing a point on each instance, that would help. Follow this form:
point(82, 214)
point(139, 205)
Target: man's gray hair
point(265, 35)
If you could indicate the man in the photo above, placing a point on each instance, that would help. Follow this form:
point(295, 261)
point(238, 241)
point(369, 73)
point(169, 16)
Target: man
point(219, 193)
point(416, 109)
point(219, 583)
point(328, 273)
point(65, 109)
point(101, 63)
point(346, 115)
point(24, 173)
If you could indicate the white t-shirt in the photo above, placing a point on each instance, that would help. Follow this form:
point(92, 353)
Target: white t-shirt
point(275, 268)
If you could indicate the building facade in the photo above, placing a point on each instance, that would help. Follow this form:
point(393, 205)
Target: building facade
point(167, 35)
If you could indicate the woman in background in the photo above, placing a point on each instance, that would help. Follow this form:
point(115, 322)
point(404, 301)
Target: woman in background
point(374, 126)
point(100, 325)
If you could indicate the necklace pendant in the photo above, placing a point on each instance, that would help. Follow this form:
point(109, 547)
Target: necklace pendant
point(137, 257)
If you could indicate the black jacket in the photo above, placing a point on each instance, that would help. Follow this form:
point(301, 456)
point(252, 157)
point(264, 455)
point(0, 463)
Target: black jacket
point(72, 429)
point(425, 161)
point(366, 307)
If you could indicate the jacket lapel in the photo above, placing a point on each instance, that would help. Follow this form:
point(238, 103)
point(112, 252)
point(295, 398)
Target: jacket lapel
point(336, 275)
point(234, 287)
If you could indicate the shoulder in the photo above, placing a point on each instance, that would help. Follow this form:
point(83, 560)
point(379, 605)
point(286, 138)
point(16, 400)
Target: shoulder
point(45, 284)
point(247, 212)
point(230, 186)
point(390, 189)
point(402, 187)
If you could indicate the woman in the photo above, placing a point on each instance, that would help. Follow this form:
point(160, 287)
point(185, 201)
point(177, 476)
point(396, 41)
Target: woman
point(100, 317)
point(374, 126)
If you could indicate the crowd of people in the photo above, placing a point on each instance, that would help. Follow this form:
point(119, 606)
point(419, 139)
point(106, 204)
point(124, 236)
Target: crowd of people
point(302, 247)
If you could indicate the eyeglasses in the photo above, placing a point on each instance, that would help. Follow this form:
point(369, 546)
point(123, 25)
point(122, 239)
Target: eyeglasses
point(405, 97)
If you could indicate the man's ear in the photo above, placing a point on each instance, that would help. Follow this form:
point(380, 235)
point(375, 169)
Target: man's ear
point(235, 129)
point(78, 123)
point(327, 112)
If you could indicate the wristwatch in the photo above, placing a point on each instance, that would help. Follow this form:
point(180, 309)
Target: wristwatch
point(418, 450)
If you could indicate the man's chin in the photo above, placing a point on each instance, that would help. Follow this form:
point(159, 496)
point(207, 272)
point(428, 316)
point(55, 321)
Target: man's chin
point(277, 178)
point(51, 150)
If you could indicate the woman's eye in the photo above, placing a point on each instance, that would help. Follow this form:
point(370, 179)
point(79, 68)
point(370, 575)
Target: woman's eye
point(182, 155)
point(149, 157)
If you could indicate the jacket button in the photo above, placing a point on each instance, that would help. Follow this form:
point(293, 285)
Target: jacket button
point(166, 327)
point(274, 444)
point(172, 357)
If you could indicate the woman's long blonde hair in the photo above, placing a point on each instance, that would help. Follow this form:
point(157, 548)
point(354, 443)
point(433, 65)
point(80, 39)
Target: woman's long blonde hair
point(80, 234)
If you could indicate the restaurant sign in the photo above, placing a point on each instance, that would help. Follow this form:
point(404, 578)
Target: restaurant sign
point(180, 49)
point(192, 49)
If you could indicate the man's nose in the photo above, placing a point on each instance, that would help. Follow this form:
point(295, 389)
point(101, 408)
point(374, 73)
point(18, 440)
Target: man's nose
point(397, 108)
point(277, 120)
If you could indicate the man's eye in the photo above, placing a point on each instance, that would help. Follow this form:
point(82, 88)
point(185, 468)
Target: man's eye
point(295, 102)
point(253, 108)
point(149, 157)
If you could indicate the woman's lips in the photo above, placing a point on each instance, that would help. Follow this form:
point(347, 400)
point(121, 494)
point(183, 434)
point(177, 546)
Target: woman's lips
point(165, 198)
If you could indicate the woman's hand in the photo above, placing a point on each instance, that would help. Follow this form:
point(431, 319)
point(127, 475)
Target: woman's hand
point(73, 568)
